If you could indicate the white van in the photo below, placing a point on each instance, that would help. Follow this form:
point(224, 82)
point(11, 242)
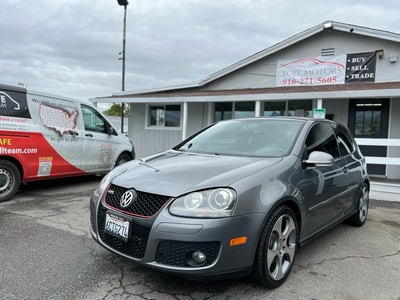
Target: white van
point(44, 136)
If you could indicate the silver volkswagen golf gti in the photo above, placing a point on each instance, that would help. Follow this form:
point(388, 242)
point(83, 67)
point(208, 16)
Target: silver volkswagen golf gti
point(237, 198)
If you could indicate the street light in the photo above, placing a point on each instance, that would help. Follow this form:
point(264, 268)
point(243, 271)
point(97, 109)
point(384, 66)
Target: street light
point(123, 3)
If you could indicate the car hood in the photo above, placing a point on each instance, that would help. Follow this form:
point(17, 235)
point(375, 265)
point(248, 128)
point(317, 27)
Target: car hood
point(175, 173)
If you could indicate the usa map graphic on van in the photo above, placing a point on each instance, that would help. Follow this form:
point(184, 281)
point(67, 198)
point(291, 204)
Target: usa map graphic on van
point(57, 118)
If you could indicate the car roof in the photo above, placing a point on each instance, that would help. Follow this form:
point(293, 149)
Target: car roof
point(301, 119)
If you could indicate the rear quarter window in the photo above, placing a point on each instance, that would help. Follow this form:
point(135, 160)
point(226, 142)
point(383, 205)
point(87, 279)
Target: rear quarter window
point(345, 142)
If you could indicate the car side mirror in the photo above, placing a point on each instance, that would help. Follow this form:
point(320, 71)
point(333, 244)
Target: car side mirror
point(320, 159)
point(111, 130)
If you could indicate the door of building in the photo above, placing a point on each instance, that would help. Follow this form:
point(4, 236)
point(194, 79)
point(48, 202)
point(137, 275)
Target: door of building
point(369, 118)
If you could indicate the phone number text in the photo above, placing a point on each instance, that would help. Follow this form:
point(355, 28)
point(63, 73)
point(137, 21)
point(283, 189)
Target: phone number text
point(309, 80)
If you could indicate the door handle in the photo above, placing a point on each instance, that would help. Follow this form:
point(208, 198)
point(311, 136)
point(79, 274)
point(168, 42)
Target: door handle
point(74, 133)
point(89, 134)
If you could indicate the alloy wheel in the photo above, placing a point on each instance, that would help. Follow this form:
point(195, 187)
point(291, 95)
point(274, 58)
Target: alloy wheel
point(281, 247)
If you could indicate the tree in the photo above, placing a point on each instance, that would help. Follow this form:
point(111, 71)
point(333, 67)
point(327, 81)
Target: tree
point(115, 110)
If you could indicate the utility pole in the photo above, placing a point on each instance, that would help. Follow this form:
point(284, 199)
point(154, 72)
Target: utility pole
point(123, 3)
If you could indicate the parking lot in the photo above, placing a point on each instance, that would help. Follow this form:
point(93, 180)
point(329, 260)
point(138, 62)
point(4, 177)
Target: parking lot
point(46, 252)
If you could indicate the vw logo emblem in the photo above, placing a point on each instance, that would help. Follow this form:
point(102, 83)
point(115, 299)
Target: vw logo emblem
point(128, 198)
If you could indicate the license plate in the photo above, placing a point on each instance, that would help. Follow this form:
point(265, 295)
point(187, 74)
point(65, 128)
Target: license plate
point(117, 227)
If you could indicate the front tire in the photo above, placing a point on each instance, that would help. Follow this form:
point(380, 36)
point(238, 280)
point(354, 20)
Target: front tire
point(123, 158)
point(277, 247)
point(359, 218)
point(10, 180)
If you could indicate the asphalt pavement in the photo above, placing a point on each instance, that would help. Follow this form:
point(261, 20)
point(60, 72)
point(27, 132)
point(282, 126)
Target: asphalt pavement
point(46, 252)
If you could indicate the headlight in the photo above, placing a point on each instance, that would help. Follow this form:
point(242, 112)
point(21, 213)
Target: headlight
point(215, 203)
point(103, 185)
point(107, 179)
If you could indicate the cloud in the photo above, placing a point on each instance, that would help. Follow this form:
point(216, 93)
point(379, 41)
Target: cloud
point(71, 47)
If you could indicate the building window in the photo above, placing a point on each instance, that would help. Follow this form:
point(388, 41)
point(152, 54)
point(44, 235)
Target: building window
point(368, 117)
point(165, 115)
point(245, 109)
point(234, 110)
point(300, 108)
point(295, 108)
point(223, 111)
point(272, 109)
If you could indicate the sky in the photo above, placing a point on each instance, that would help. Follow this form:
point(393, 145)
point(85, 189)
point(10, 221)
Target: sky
point(71, 47)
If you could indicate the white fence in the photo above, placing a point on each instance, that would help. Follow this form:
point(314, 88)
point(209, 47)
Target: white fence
point(380, 142)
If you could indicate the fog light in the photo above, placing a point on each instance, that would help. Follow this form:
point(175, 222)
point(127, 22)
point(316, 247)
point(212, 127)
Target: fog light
point(199, 257)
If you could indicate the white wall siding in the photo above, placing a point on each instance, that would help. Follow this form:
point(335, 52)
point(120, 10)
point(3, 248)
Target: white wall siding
point(394, 133)
point(150, 141)
point(339, 108)
point(197, 117)
point(137, 117)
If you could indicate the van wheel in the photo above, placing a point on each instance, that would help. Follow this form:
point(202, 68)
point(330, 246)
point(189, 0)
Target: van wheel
point(123, 158)
point(10, 180)
point(276, 248)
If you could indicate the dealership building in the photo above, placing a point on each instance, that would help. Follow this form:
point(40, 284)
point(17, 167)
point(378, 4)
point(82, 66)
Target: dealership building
point(343, 72)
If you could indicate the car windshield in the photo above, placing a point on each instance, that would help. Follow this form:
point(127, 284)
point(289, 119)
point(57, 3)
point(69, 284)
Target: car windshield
point(255, 137)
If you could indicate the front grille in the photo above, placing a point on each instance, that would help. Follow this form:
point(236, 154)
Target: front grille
point(176, 253)
point(92, 215)
point(146, 205)
point(92, 222)
point(136, 245)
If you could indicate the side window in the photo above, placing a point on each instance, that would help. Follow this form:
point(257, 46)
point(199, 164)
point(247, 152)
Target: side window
point(346, 145)
point(14, 104)
point(165, 115)
point(322, 138)
point(93, 120)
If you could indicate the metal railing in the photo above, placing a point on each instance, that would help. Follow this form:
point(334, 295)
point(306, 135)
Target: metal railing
point(380, 142)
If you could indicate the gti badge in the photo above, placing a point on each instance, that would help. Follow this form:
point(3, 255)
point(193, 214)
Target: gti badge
point(128, 198)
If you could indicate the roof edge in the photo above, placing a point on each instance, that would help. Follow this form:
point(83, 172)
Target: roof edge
point(159, 89)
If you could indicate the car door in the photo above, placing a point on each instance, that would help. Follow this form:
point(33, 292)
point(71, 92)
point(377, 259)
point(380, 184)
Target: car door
point(97, 154)
point(325, 185)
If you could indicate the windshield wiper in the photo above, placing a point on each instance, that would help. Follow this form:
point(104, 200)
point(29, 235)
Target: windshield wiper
point(187, 147)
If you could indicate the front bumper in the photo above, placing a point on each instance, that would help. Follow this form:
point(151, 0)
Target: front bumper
point(165, 242)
